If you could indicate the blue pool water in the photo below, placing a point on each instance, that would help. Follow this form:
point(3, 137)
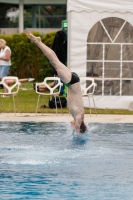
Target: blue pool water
point(46, 161)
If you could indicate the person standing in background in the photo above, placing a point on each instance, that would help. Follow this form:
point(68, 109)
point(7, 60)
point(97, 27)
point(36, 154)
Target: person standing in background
point(5, 58)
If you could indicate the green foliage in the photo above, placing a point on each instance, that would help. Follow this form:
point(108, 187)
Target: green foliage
point(27, 59)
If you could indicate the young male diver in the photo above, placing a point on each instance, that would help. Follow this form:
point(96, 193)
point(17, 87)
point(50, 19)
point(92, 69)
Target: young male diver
point(72, 81)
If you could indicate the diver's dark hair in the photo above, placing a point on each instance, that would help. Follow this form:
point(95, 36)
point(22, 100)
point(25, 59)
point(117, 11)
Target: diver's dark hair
point(83, 127)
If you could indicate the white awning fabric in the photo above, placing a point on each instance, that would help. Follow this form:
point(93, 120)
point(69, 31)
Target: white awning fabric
point(111, 6)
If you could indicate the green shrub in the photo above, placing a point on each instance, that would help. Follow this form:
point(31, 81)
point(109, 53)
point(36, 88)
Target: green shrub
point(27, 59)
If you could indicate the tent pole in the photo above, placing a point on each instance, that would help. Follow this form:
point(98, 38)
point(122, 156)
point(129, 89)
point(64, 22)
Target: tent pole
point(68, 39)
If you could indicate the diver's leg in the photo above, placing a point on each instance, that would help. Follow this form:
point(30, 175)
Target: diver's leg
point(63, 72)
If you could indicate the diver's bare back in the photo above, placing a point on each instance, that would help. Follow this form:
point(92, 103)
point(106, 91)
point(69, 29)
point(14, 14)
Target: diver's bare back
point(75, 101)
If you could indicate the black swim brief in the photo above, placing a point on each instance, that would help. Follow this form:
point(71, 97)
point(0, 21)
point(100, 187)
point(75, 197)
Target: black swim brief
point(74, 79)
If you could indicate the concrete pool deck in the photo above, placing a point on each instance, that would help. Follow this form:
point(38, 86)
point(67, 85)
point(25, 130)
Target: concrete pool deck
point(27, 117)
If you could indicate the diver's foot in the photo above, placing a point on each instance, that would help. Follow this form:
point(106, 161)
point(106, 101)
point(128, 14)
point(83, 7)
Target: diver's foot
point(33, 38)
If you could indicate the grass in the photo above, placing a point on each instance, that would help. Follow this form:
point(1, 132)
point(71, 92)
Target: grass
point(26, 101)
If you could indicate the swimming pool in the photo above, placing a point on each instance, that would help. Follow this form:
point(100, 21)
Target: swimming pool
point(46, 161)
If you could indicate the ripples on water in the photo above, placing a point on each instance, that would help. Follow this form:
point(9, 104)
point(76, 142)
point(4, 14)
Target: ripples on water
point(46, 161)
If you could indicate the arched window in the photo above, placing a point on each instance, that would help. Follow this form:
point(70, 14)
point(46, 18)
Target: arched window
point(110, 56)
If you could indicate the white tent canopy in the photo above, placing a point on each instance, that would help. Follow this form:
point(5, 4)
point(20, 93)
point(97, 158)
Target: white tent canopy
point(111, 6)
point(101, 39)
